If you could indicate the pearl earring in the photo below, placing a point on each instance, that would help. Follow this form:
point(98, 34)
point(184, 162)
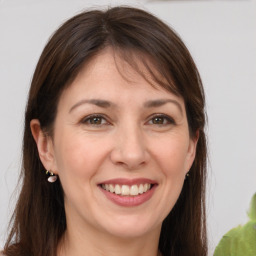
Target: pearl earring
point(51, 176)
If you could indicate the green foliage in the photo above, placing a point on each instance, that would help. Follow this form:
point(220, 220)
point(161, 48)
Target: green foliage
point(252, 211)
point(240, 241)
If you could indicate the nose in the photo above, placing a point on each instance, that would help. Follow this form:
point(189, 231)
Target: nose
point(129, 149)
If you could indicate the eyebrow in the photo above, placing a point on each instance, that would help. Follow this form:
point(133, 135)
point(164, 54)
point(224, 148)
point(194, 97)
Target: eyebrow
point(108, 104)
point(96, 102)
point(161, 102)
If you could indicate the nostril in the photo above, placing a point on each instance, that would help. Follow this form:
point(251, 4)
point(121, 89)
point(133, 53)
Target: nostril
point(131, 159)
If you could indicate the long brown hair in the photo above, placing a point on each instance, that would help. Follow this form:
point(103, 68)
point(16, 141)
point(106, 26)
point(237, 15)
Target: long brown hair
point(39, 218)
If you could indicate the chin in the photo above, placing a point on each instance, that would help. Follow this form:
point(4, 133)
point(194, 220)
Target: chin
point(129, 227)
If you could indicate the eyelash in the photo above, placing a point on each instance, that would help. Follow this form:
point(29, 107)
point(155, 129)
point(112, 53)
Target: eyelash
point(167, 120)
point(89, 118)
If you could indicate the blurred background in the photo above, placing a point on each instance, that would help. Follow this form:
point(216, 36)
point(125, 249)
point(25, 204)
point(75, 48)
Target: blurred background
point(221, 36)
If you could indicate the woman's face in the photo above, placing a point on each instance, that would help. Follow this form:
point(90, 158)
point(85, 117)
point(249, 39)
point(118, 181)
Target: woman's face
point(121, 149)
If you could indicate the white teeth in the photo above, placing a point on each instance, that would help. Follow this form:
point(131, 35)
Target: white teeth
point(117, 190)
point(134, 190)
point(111, 188)
point(141, 189)
point(125, 190)
point(145, 188)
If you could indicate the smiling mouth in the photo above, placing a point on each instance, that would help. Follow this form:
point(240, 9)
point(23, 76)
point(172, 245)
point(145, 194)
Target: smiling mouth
point(126, 190)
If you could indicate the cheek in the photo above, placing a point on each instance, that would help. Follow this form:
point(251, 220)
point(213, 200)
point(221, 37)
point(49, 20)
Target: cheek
point(78, 161)
point(172, 161)
point(171, 155)
point(72, 156)
point(77, 157)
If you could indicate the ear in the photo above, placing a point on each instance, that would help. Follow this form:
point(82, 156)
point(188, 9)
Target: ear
point(191, 151)
point(44, 146)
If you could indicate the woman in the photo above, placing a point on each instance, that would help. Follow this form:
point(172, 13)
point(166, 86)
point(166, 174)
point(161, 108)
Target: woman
point(114, 153)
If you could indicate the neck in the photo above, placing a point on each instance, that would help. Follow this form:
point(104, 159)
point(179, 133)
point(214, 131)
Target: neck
point(80, 242)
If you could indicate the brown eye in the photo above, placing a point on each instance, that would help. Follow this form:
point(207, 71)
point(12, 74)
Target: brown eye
point(94, 120)
point(161, 120)
point(158, 120)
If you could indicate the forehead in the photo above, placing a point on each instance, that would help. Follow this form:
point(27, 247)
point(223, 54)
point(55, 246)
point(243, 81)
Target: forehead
point(110, 76)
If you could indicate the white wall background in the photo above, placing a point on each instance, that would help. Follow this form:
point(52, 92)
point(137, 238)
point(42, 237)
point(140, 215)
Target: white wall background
point(221, 36)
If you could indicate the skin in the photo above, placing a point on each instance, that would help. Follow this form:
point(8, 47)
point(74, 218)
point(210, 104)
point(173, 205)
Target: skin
point(131, 138)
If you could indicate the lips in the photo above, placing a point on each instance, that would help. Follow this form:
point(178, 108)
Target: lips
point(126, 192)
